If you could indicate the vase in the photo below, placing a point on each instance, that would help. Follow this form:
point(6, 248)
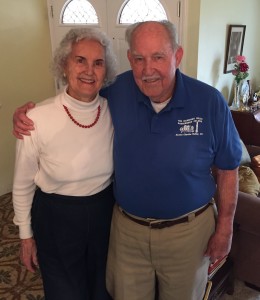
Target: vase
point(236, 105)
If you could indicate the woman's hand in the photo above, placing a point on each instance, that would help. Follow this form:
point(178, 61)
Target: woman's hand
point(21, 124)
point(28, 254)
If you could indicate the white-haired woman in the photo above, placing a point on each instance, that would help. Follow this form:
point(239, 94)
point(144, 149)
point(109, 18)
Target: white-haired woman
point(62, 190)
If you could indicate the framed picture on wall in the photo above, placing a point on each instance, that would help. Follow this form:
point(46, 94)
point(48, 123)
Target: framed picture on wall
point(234, 46)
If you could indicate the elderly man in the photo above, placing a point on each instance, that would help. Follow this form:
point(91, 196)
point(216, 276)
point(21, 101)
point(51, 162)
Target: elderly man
point(170, 130)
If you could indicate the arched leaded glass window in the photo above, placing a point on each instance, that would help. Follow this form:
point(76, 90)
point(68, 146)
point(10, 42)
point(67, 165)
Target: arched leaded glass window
point(79, 12)
point(136, 11)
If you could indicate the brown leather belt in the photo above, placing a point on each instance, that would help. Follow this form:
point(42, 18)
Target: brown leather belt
point(154, 224)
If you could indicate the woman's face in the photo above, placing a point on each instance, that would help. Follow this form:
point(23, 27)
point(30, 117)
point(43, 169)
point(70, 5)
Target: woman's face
point(85, 70)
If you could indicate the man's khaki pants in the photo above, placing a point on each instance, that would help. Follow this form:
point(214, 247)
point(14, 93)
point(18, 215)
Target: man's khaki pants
point(174, 255)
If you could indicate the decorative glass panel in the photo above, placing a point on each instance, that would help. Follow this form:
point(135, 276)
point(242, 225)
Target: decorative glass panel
point(145, 10)
point(79, 12)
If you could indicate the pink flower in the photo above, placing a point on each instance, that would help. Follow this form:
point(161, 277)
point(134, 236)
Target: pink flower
point(240, 58)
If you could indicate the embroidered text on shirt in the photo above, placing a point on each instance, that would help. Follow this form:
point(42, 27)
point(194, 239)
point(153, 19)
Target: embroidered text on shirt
point(190, 126)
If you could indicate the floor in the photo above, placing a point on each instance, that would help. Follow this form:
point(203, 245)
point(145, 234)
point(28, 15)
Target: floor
point(242, 292)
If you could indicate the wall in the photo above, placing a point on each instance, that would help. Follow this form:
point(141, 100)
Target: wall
point(24, 65)
point(215, 16)
point(191, 37)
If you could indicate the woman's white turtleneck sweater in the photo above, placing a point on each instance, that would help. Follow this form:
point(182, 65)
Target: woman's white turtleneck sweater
point(61, 157)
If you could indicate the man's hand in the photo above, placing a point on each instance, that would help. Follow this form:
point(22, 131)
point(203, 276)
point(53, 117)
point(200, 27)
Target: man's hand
point(219, 246)
point(28, 254)
point(21, 124)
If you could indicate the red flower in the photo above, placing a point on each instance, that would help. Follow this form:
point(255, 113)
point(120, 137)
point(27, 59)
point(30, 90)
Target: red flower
point(243, 67)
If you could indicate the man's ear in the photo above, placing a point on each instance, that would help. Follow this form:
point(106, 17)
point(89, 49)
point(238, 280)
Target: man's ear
point(178, 56)
point(129, 56)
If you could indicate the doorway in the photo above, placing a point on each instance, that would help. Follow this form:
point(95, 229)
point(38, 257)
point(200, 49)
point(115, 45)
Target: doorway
point(112, 17)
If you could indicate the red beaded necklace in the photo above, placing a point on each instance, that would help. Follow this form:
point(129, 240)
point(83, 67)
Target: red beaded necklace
point(81, 125)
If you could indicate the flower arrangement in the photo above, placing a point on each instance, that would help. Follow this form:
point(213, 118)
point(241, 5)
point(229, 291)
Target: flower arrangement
point(241, 69)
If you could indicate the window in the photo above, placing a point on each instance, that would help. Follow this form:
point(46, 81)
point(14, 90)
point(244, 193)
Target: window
point(135, 11)
point(79, 12)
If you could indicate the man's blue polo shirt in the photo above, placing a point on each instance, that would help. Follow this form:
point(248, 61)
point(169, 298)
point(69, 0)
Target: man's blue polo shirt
point(163, 160)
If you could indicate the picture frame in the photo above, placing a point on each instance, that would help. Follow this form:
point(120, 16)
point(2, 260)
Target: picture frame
point(234, 46)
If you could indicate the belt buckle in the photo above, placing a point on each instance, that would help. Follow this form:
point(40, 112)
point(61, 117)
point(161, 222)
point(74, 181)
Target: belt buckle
point(159, 224)
point(156, 224)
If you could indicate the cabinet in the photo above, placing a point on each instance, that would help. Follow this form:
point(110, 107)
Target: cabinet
point(248, 126)
point(222, 281)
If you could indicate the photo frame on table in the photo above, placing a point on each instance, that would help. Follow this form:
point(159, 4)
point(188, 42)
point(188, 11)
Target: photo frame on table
point(234, 46)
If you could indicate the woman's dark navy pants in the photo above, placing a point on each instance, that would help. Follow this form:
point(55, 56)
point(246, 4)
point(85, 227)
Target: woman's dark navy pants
point(72, 235)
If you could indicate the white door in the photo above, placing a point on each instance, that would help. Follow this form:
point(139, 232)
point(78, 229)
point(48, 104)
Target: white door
point(108, 14)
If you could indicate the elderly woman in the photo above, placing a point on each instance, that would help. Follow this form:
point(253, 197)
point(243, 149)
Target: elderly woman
point(62, 191)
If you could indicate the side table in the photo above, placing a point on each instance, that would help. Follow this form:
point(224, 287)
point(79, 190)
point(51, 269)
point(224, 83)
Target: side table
point(222, 281)
point(248, 126)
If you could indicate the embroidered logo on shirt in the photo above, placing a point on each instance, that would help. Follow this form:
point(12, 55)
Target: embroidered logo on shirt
point(190, 127)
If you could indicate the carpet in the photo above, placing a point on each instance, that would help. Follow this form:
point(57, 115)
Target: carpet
point(242, 292)
point(16, 283)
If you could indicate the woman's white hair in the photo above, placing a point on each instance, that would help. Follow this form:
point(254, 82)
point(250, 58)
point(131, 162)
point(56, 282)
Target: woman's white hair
point(73, 36)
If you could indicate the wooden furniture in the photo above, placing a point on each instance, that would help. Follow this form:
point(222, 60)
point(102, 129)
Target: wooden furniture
point(248, 126)
point(222, 281)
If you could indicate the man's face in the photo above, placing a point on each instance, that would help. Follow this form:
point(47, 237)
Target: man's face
point(85, 70)
point(153, 61)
